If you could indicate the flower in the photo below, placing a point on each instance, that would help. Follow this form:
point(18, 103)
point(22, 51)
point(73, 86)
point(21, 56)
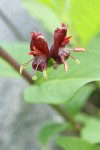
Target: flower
point(39, 49)
point(58, 51)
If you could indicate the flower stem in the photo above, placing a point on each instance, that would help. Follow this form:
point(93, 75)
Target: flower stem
point(28, 78)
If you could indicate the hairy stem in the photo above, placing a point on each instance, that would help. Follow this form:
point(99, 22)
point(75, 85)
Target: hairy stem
point(28, 78)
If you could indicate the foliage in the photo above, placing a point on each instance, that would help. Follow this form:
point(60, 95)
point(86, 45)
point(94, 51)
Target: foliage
point(91, 131)
point(63, 85)
point(49, 130)
point(63, 88)
point(82, 16)
point(73, 143)
point(16, 51)
point(79, 100)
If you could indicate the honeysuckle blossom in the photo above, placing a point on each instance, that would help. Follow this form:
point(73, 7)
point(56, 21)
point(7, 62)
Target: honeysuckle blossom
point(41, 54)
point(58, 51)
point(40, 51)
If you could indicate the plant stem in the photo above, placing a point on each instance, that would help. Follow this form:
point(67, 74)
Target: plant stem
point(28, 78)
point(77, 126)
point(65, 115)
point(14, 64)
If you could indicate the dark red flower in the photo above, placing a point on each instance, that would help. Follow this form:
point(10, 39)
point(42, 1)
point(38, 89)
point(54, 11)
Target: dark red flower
point(58, 51)
point(39, 49)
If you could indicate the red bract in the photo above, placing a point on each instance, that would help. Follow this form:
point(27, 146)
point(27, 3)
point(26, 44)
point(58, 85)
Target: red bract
point(40, 51)
point(58, 51)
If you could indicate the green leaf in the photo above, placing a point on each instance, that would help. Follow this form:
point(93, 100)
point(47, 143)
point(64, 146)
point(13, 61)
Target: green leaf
point(59, 7)
point(91, 131)
point(73, 143)
point(84, 18)
point(19, 51)
point(94, 43)
point(82, 117)
point(50, 130)
point(45, 15)
point(60, 86)
point(51, 12)
point(79, 100)
point(96, 147)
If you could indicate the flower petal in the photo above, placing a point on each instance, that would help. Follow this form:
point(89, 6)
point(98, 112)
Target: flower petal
point(38, 41)
point(66, 41)
point(59, 35)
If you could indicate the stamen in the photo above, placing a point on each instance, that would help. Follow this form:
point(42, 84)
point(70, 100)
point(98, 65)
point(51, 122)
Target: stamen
point(76, 60)
point(70, 49)
point(72, 57)
point(65, 65)
point(21, 68)
point(44, 74)
point(24, 65)
point(79, 49)
point(35, 76)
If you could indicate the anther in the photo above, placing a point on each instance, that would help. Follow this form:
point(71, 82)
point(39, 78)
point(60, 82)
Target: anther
point(24, 65)
point(34, 77)
point(21, 68)
point(44, 74)
point(77, 61)
point(79, 49)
